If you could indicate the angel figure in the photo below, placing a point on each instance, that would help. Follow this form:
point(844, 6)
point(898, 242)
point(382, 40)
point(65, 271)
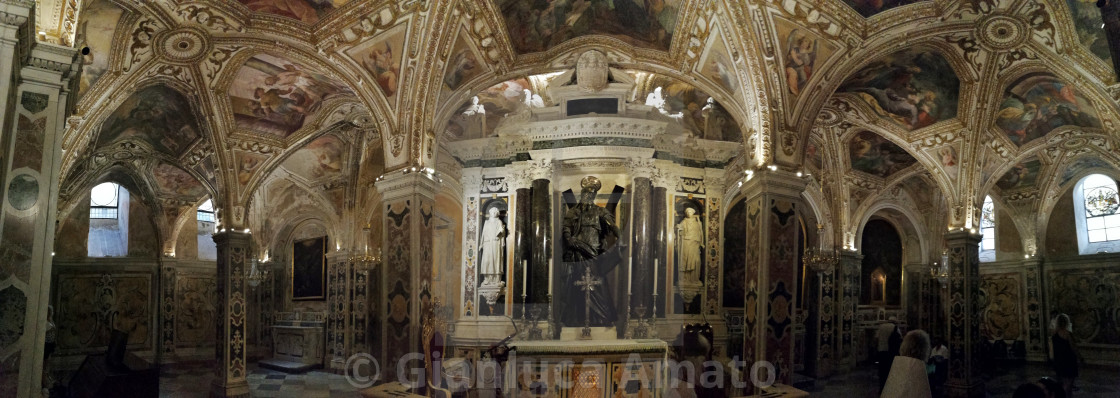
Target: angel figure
point(802, 54)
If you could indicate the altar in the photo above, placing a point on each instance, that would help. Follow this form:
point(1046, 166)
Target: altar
point(602, 368)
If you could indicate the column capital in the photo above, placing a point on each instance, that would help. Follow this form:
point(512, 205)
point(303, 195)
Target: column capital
point(641, 167)
point(231, 235)
point(540, 169)
point(406, 182)
point(778, 182)
point(337, 255)
point(962, 237)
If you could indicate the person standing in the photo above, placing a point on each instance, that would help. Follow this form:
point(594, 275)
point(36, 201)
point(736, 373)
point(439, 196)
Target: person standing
point(907, 377)
point(1063, 354)
point(889, 340)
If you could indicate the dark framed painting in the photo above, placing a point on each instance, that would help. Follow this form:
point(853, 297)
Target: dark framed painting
point(309, 269)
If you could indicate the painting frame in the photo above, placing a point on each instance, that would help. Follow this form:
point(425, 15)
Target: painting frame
point(307, 263)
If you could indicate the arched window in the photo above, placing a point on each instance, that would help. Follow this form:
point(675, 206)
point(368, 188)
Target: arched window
point(1095, 202)
point(103, 201)
point(988, 230)
point(206, 211)
point(207, 249)
point(108, 221)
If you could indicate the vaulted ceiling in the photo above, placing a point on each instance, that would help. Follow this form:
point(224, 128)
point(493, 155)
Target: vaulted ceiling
point(878, 99)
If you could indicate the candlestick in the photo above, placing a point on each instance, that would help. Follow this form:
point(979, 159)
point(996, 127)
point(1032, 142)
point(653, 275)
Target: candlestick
point(655, 277)
point(550, 277)
point(524, 275)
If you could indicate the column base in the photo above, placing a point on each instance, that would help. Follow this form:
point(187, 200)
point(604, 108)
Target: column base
point(233, 390)
point(974, 390)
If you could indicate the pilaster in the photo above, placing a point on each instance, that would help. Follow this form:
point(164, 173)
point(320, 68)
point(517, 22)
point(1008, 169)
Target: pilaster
point(847, 300)
point(34, 93)
point(773, 204)
point(1036, 326)
point(339, 329)
point(406, 274)
point(965, 361)
point(230, 367)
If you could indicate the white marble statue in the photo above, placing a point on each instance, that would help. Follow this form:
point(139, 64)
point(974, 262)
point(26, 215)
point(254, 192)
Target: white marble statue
point(690, 240)
point(532, 100)
point(475, 108)
point(492, 246)
point(657, 100)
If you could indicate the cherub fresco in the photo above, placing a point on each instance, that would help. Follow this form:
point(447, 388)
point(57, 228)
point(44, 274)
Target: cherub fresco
point(1038, 104)
point(913, 88)
point(801, 55)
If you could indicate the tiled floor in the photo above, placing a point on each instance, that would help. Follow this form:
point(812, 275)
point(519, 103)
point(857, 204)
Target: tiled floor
point(1094, 382)
point(193, 381)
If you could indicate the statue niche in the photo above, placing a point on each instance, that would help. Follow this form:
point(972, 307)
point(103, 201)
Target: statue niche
point(491, 256)
point(590, 237)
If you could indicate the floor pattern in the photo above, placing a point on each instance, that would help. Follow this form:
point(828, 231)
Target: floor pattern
point(193, 381)
point(1095, 382)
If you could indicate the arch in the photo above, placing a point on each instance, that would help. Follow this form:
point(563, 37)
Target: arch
point(912, 229)
point(1045, 211)
point(1095, 203)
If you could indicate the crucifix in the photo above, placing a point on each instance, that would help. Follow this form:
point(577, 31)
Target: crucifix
point(587, 283)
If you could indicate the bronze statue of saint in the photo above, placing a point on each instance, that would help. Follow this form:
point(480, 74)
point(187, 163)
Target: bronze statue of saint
point(589, 233)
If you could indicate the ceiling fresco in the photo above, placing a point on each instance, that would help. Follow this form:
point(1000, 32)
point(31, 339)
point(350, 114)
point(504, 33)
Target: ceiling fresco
point(275, 96)
point(869, 8)
point(176, 181)
point(718, 65)
point(321, 159)
point(381, 59)
point(1023, 175)
point(158, 116)
point(1087, 24)
point(1037, 104)
point(689, 105)
point(95, 31)
point(306, 11)
point(462, 66)
point(479, 116)
point(875, 155)
point(538, 25)
point(912, 88)
point(802, 51)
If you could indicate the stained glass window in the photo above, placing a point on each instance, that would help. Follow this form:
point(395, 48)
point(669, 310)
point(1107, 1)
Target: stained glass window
point(988, 225)
point(1101, 203)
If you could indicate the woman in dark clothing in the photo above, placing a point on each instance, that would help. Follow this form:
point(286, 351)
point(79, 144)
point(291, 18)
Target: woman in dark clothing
point(1064, 354)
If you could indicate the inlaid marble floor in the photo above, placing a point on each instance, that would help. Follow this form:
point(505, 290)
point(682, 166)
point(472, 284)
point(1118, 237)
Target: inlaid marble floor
point(1095, 382)
point(193, 381)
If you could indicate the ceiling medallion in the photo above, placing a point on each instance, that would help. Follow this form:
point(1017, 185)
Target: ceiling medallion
point(828, 118)
point(182, 45)
point(1001, 32)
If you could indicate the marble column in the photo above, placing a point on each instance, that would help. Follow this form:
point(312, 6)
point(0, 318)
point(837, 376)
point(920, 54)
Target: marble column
point(965, 362)
point(230, 369)
point(1110, 13)
point(339, 276)
point(659, 242)
point(406, 273)
point(643, 237)
point(540, 229)
point(820, 354)
point(847, 300)
point(522, 242)
point(914, 274)
point(35, 88)
point(773, 203)
point(1037, 327)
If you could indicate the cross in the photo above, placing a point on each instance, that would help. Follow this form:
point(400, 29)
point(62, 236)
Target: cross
point(587, 283)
